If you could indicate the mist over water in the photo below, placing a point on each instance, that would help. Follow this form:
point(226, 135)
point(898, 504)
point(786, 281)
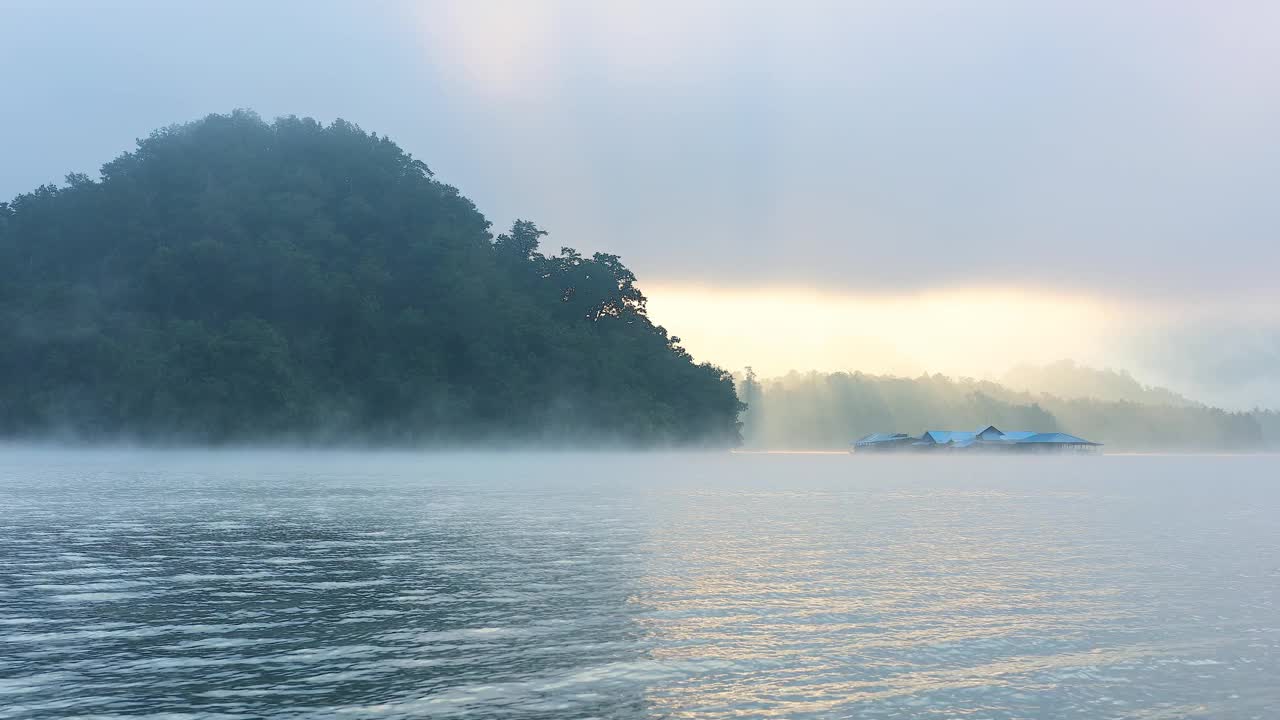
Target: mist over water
point(526, 585)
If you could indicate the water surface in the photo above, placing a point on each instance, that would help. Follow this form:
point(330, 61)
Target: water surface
point(637, 586)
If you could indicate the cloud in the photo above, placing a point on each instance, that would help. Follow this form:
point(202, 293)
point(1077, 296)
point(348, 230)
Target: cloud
point(880, 146)
point(1085, 147)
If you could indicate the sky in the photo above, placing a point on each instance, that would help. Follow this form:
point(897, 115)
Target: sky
point(898, 187)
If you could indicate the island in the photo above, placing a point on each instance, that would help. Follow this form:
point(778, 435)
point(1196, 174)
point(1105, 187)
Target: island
point(234, 280)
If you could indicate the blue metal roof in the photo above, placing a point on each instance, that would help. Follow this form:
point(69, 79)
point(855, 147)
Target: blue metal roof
point(1019, 435)
point(880, 437)
point(1056, 437)
point(942, 437)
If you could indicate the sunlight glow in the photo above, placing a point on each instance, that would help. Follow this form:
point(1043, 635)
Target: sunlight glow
point(976, 332)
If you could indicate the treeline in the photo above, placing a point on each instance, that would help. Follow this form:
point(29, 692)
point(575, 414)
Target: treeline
point(828, 411)
point(233, 279)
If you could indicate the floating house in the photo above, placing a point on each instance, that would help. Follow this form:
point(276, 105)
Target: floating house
point(990, 439)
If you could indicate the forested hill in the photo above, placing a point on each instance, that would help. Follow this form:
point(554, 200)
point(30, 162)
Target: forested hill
point(234, 280)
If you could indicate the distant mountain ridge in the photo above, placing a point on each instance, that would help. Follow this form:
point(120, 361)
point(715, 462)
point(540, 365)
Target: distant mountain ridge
point(1069, 380)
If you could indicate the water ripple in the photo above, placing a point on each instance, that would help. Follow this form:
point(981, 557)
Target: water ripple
point(225, 585)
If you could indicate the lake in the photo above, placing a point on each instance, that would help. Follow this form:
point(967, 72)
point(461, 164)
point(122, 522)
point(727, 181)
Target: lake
point(527, 585)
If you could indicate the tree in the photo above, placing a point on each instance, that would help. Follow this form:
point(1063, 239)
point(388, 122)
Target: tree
point(234, 279)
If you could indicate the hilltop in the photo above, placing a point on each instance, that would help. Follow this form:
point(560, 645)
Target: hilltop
point(232, 279)
point(1068, 379)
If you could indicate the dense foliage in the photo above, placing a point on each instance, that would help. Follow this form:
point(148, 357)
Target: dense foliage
point(818, 410)
point(233, 279)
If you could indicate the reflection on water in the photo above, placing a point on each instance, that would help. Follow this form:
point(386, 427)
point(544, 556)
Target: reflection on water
point(552, 586)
